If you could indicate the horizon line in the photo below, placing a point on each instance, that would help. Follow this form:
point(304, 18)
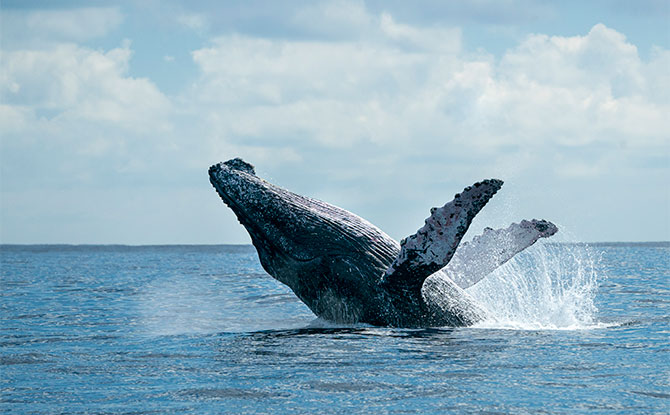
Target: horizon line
point(667, 242)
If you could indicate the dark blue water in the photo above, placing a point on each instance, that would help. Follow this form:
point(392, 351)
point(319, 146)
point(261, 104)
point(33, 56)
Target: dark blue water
point(193, 329)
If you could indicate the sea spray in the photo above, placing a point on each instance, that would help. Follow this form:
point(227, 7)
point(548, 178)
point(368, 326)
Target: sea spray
point(550, 286)
point(179, 305)
point(215, 303)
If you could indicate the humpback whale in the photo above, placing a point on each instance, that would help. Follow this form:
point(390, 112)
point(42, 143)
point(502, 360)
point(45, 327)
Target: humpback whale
point(347, 270)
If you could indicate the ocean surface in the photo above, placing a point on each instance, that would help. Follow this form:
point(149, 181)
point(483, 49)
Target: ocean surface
point(573, 328)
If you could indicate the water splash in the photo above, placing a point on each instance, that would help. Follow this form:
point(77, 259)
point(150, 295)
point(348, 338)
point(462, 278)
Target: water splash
point(175, 305)
point(547, 287)
point(227, 303)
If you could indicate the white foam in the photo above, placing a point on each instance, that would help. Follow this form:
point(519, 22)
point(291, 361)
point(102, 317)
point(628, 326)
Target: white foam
point(547, 287)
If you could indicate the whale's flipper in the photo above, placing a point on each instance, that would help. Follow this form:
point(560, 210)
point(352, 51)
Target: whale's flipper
point(432, 246)
point(474, 260)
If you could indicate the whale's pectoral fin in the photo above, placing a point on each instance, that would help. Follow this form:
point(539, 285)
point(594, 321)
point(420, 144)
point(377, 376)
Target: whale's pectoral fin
point(432, 246)
point(474, 260)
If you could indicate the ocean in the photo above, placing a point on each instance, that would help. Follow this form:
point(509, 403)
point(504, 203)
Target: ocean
point(574, 328)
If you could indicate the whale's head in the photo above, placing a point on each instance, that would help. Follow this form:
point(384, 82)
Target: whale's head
point(305, 243)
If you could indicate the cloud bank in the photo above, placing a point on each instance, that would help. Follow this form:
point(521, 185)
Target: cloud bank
point(375, 114)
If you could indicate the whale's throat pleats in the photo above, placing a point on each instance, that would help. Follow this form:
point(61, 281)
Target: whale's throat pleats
point(333, 231)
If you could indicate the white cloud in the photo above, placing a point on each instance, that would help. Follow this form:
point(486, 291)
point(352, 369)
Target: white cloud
point(14, 118)
point(195, 21)
point(565, 91)
point(335, 93)
point(581, 89)
point(48, 26)
point(78, 83)
point(602, 58)
point(439, 40)
point(398, 112)
point(77, 120)
point(338, 18)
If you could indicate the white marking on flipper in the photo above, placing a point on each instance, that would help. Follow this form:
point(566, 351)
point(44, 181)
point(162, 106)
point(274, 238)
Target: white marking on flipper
point(476, 259)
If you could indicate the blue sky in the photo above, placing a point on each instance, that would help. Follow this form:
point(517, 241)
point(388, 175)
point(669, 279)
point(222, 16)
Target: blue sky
point(111, 113)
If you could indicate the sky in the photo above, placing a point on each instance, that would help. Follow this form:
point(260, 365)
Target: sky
point(112, 112)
